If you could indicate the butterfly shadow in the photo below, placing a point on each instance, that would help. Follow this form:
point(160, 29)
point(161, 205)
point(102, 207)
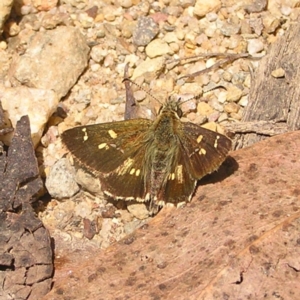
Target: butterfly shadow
point(228, 167)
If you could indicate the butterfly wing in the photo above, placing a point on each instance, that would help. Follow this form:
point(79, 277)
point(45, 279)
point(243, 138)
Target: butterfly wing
point(113, 151)
point(206, 149)
point(102, 148)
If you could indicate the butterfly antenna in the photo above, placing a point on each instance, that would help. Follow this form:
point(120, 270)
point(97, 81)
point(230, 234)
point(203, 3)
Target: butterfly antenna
point(197, 97)
point(140, 87)
point(189, 99)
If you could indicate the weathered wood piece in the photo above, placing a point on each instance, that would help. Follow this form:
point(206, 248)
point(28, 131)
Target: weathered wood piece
point(26, 258)
point(275, 99)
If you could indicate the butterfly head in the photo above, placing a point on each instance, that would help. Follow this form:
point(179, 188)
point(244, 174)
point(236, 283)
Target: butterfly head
point(172, 105)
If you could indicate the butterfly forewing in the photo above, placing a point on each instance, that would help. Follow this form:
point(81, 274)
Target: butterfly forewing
point(206, 149)
point(101, 148)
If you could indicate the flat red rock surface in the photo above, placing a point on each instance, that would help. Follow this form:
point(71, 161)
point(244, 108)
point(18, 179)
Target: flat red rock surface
point(238, 239)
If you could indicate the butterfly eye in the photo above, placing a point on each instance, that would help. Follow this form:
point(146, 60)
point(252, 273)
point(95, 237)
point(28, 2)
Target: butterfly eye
point(179, 112)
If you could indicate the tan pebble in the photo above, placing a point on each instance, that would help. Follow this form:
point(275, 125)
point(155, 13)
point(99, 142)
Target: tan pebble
point(3, 45)
point(227, 76)
point(210, 32)
point(271, 23)
point(210, 125)
point(204, 109)
point(190, 45)
point(247, 81)
point(139, 95)
point(148, 66)
point(174, 47)
point(170, 37)
point(222, 96)
point(210, 62)
point(108, 12)
point(255, 46)
point(167, 84)
point(286, 10)
point(206, 45)
point(191, 88)
point(201, 38)
point(99, 18)
point(237, 116)
point(244, 101)
point(139, 210)
point(125, 3)
point(171, 20)
point(203, 79)
point(180, 34)
point(189, 104)
point(223, 117)
point(12, 28)
point(278, 73)
point(223, 13)
point(204, 7)
point(234, 94)
point(231, 107)
point(215, 77)
point(157, 47)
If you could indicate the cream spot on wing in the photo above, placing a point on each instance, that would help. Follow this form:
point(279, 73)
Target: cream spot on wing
point(181, 204)
point(216, 141)
point(169, 204)
point(172, 176)
point(112, 134)
point(199, 138)
point(161, 203)
point(103, 145)
point(128, 162)
point(202, 151)
point(124, 168)
point(137, 173)
point(85, 137)
point(132, 171)
point(179, 173)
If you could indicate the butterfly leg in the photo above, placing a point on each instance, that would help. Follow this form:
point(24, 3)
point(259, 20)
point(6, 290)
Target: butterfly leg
point(153, 207)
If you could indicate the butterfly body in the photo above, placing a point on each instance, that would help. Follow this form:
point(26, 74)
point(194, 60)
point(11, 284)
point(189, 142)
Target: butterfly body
point(142, 160)
point(163, 147)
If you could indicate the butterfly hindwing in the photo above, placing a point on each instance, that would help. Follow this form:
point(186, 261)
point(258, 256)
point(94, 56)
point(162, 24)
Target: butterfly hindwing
point(127, 179)
point(206, 149)
point(180, 185)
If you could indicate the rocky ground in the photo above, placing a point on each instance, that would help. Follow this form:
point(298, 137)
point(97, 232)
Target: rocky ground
point(63, 65)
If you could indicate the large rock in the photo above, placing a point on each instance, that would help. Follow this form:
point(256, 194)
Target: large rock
point(53, 60)
point(5, 7)
point(38, 104)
